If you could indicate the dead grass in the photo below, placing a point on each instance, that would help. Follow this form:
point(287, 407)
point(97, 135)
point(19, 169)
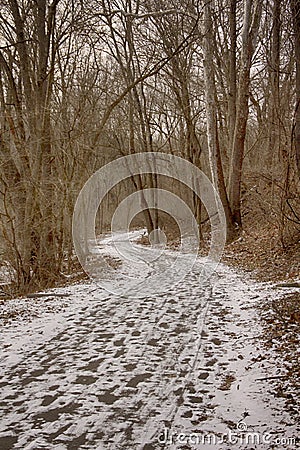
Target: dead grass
point(258, 251)
point(281, 321)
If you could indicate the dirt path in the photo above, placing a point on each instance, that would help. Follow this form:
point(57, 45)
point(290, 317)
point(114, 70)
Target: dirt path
point(179, 370)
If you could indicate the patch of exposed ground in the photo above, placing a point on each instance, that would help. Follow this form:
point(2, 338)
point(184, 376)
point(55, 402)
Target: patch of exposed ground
point(259, 252)
point(281, 324)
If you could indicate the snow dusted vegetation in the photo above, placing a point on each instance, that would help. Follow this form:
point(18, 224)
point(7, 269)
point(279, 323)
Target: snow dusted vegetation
point(178, 370)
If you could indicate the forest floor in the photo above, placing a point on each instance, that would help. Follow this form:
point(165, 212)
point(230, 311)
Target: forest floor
point(259, 253)
point(200, 363)
point(181, 370)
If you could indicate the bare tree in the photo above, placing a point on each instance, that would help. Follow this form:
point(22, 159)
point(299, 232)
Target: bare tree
point(28, 71)
point(211, 119)
point(251, 22)
point(295, 8)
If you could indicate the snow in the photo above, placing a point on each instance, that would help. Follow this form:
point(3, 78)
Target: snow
point(97, 371)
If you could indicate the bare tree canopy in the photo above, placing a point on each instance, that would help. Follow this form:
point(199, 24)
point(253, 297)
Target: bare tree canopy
point(83, 83)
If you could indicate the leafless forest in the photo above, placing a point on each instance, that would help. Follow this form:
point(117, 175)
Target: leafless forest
point(83, 82)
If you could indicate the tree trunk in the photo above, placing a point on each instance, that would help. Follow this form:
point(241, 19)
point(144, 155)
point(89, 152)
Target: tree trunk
point(274, 109)
point(211, 119)
point(232, 91)
point(35, 229)
point(295, 7)
point(251, 23)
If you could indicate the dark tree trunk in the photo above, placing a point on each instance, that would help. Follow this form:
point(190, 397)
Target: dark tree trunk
point(295, 7)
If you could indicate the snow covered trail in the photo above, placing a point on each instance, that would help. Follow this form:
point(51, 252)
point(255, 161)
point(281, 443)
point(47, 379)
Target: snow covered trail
point(176, 370)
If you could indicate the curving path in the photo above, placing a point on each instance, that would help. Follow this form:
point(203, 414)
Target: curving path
point(177, 370)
